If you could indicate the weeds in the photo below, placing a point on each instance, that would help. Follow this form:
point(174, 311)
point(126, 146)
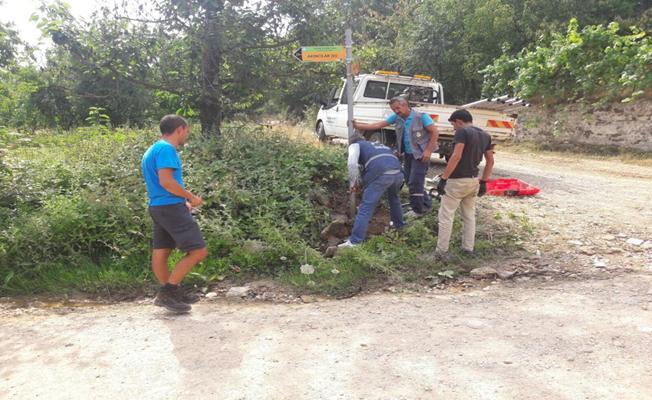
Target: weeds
point(73, 215)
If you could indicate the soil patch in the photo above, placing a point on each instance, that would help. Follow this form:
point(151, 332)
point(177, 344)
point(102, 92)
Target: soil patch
point(339, 206)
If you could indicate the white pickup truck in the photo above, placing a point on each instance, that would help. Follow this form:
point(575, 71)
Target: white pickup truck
point(371, 96)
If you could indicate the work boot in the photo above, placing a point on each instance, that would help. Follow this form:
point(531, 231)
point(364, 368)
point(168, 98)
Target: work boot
point(169, 297)
point(469, 253)
point(445, 257)
point(435, 256)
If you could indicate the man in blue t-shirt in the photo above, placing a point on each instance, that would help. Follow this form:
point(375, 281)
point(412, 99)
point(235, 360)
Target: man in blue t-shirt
point(170, 206)
point(416, 139)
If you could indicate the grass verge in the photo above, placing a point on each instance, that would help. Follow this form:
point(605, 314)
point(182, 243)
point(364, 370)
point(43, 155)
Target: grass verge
point(74, 218)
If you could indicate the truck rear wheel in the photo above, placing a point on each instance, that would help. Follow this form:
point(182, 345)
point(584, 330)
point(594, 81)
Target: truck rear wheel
point(376, 136)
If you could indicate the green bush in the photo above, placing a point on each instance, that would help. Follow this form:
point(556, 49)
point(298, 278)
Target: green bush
point(595, 64)
point(77, 199)
point(74, 215)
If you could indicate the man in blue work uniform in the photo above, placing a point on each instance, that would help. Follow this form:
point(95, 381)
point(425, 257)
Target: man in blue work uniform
point(416, 138)
point(381, 173)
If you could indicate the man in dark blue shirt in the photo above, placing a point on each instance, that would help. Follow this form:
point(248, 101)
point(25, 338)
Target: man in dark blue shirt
point(170, 207)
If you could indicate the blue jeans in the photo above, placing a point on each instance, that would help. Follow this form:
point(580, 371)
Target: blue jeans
point(415, 173)
point(370, 198)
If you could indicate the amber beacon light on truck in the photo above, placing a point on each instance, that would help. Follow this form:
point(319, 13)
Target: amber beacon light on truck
point(395, 73)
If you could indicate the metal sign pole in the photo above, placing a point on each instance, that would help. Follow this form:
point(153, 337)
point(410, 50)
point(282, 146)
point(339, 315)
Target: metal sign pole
point(348, 43)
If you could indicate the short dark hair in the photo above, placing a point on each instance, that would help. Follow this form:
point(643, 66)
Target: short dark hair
point(170, 123)
point(356, 137)
point(462, 114)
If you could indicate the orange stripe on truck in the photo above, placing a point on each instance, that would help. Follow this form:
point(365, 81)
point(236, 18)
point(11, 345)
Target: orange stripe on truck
point(435, 117)
point(499, 124)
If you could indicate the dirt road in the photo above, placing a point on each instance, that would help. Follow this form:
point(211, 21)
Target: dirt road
point(589, 212)
point(585, 332)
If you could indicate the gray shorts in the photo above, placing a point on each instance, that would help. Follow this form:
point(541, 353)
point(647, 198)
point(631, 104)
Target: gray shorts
point(174, 227)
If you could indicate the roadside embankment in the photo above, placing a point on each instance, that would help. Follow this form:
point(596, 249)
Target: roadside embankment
point(611, 128)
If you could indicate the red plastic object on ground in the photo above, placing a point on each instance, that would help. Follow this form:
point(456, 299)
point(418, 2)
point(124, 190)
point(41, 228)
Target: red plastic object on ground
point(510, 187)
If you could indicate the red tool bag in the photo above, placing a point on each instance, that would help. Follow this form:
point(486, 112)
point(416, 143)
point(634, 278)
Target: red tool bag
point(510, 187)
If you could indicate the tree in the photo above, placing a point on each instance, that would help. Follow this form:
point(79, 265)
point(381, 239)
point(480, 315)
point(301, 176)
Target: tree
point(209, 55)
point(213, 59)
point(454, 40)
point(9, 43)
point(592, 64)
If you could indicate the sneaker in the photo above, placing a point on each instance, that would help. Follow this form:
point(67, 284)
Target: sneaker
point(346, 244)
point(413, 215)
point(168, 298)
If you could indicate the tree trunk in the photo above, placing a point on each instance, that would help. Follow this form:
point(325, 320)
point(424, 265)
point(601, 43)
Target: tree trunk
point(210, 107)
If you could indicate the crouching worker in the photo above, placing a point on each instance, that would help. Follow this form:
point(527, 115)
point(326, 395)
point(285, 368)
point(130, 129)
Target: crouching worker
point(381, 173)
point(170, 207)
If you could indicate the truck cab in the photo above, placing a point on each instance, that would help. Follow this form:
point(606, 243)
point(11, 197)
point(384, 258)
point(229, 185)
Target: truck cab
point(371, 95)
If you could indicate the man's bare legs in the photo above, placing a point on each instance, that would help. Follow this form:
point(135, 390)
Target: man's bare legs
point(181, 269)
point(160, 264)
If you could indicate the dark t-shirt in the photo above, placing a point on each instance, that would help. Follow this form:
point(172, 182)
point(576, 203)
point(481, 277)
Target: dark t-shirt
point(476, 143)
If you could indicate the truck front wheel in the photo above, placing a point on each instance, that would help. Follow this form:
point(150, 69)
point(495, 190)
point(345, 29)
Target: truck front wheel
point(320, 132)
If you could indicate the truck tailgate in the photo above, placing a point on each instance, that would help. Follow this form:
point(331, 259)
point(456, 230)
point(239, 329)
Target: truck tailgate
point(498, 125)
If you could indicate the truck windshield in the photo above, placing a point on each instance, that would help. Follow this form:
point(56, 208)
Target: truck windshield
point(422, 94)
point(343, 94)
point(383, 90)
point(396, 89)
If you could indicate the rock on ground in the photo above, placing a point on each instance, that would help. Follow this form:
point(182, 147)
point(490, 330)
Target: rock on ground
point(337, 228)
point(483, 273)
point(238, 291)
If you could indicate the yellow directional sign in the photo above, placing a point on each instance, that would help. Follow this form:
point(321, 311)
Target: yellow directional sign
point(320, 53)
